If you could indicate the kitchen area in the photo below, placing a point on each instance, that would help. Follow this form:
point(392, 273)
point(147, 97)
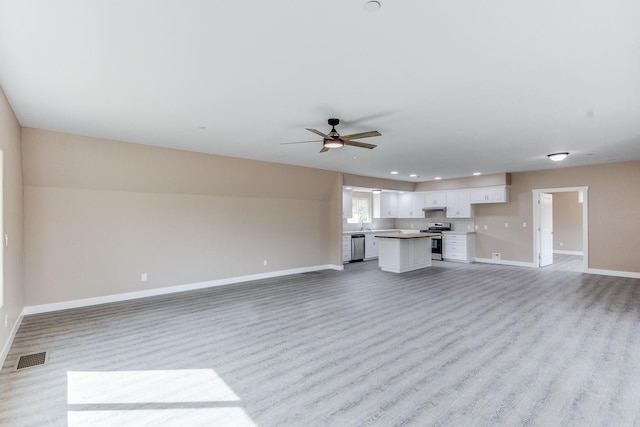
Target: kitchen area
point(446, 215)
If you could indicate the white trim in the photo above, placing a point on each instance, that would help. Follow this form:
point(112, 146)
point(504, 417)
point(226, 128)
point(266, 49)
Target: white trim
point(9, 342)
point(505, 262)
point(568, 252)
point(585, 221)
point(85, 302)
point(629, 274)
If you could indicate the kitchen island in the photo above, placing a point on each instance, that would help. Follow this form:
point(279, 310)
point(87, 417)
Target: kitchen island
point(400, 252)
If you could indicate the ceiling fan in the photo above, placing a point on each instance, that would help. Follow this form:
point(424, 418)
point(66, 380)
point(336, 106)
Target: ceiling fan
point(334, 140)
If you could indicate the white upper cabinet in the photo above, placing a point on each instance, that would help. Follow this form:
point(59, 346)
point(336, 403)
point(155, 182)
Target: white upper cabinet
point(410, 205)
point(347, 203)
point(435, 199)
point(459, 204)
point(498, 194)
point(385, 205)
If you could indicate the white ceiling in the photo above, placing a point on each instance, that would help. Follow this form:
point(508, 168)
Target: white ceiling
point(453, 86)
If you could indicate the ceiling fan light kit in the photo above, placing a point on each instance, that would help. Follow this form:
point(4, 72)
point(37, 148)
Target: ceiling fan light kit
point(332, 143)
point(334, 140)
point(557, 157)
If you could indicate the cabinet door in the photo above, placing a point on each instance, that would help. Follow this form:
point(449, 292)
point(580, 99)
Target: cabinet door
point(479, 195)
point(370, 246)
point(417, 204)
point(490, 195)
point(404, 205)
point(497, 195)
point(385, 205)
point(410, 205)
point(459, 204)
point(435, 199)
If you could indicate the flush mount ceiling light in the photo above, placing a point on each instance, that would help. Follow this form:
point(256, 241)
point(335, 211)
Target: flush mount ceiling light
point(557, 157)
point(477, 173)
point(394, 172)
point(372, 6)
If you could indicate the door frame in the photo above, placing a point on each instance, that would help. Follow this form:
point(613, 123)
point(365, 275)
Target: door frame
point(584, 191)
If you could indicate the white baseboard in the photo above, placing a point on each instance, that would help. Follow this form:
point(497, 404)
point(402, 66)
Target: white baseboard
point(629, 274)
point(85, 302)
point(505, 262)
point(9, 342)
point(569, 252)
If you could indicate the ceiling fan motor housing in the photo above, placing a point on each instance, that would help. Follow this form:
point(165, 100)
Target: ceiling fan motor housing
point(334, 122)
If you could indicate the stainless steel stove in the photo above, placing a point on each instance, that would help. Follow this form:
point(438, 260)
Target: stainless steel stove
point(436, 242)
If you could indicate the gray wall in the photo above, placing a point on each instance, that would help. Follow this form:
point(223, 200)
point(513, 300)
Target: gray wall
point(100, 213)
point(12, 256)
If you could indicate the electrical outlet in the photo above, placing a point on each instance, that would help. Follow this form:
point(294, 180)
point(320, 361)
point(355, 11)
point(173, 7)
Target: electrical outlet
point(524, 225)
point(6, 320)
point(143, 277)
point(495, 255)
point(506, 225)
point(561, 244)
point(264, 262)
point(486, 227)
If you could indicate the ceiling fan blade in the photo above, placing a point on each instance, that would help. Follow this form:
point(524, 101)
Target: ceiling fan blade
point(361, 135)
point(317, 132)
point(359, 144)
point(301, 142)
point(324, 150)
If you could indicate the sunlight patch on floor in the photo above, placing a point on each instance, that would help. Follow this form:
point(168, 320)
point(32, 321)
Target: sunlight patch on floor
point(157, 388)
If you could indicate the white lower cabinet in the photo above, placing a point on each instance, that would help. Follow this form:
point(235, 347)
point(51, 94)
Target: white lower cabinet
point(370, 246)
point(458, 247)
point(346, 248)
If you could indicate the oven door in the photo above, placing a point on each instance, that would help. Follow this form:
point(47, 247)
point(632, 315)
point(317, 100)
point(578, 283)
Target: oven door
point(436, 248)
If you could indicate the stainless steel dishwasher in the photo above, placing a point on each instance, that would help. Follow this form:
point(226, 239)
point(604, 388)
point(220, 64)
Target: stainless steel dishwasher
point(357, 247)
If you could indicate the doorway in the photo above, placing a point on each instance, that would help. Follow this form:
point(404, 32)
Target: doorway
point(543, 246)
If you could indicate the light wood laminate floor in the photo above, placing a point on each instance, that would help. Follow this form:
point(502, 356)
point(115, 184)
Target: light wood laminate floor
point(451, 345)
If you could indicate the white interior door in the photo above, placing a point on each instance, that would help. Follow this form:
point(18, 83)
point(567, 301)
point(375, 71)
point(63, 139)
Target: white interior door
point(546, 229)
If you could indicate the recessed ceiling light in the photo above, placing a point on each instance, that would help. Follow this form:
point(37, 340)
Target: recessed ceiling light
point(557, 157)
point(413, 175)
point(372, 6)
point(477, 173)
point(437, 178)
point(394, 172)
point(376, 191)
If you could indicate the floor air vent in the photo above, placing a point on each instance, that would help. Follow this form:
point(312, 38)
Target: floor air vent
point(31, 360)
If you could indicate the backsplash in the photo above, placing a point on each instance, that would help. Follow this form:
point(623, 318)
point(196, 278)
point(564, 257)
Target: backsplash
point(377, 224)
point(467, 224)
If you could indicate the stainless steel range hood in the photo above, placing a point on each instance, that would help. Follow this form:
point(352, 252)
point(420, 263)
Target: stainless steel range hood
point(435, 209)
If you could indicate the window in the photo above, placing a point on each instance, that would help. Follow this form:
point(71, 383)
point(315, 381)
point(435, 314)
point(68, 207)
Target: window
point(361, 211)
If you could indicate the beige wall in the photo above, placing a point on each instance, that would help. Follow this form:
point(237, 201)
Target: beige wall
point(99, 213)
point(567, 222)
point(613, 215)
point(13, 218)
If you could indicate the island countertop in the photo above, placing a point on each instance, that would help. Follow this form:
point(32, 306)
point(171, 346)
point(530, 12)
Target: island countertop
point(407, 235)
